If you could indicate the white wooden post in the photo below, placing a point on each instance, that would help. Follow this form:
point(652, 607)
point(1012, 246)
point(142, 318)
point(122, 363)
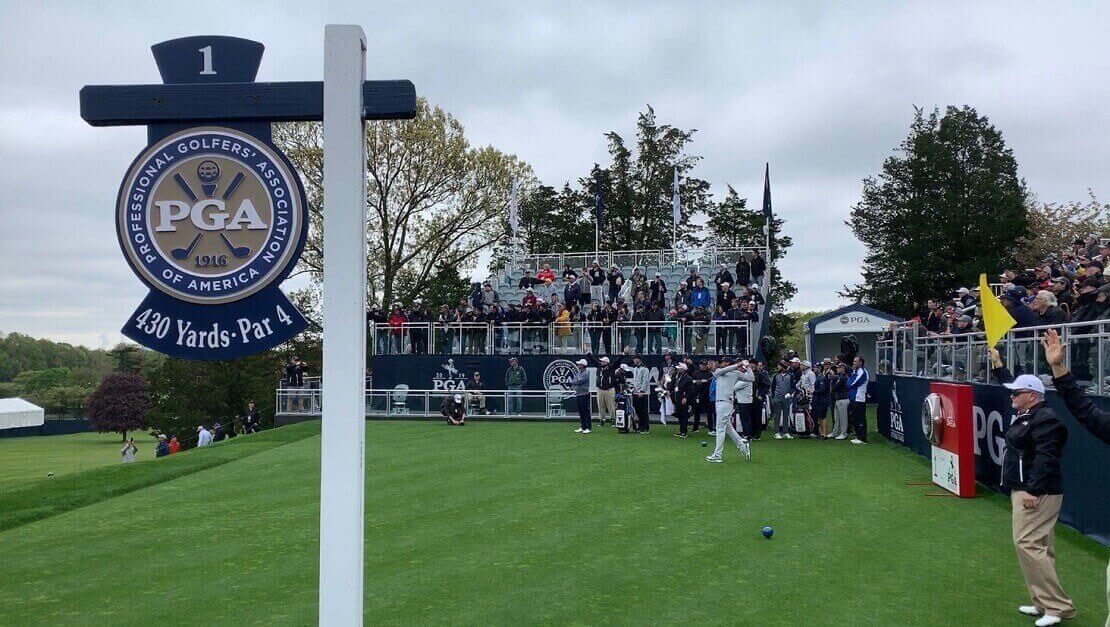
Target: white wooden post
point(342, 469)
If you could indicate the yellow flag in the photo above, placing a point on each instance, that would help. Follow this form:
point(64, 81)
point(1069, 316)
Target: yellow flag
point(996, 320)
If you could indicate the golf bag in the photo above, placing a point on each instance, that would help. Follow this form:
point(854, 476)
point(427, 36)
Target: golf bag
point(802, 422)
point(625, 413)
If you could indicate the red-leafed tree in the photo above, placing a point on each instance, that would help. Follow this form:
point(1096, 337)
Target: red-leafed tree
point(120, 404)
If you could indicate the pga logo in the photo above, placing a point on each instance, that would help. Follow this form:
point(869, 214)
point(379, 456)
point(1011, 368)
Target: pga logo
point(209, 215)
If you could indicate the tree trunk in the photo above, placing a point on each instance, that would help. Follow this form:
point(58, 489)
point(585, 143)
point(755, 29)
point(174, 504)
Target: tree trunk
point(124, 437)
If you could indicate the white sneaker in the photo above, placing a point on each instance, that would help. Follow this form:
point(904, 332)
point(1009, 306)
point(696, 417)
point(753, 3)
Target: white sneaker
point(1047, 620)
point(712, 433)
point(711, 458)
point(857, 441)
point(586, 431)
point(778, 436)
point(747, 452)
point(788, 436)
point(1030, 610)
point(842, 437)
point(578, 430)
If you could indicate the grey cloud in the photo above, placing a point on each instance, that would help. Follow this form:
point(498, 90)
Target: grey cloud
point(822, 91)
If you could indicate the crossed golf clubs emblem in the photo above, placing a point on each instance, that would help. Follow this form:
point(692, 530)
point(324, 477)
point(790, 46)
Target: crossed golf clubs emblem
point(209, 174)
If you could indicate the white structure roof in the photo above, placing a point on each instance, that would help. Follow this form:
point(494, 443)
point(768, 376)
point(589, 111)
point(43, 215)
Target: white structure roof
point(16, 412)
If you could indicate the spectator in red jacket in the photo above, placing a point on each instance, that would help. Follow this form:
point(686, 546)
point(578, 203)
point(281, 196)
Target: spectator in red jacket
point(546, 274)
point(175, 446)
point(397, 321)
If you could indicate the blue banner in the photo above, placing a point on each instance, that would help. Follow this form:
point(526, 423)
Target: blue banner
point(1086, 464)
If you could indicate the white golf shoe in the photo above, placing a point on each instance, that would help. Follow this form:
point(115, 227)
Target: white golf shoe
point(778, 436)
point(584, 432)
point(1030, 610)
point(857, 441)
point(578, 430)
point(1047, 620)
point(747, 450)
point(713, 459)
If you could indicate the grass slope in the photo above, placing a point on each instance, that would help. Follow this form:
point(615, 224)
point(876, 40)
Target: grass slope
point(31, 501)
point(528, 523)
point(25, 459)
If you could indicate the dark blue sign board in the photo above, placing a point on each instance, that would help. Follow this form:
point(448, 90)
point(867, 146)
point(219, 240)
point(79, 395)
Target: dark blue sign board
point(211, 215)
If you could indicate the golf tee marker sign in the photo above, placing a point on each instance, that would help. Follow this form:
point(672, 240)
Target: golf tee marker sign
point(211, 215)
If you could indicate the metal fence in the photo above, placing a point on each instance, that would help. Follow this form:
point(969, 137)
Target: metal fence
point(907, 350)
point(676, 257)
point(404, 402)
point(521, 338)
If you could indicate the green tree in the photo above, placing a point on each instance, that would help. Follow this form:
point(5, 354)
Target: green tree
point(637, 188)
point(947, 207)
point(433, 199)
point(188, 393)
point(733, 224)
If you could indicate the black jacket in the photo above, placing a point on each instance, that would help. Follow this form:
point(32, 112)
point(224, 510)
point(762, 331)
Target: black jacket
point(1083, 408)
point(607, 377)
point(840, 387)
point(1034, 447)
point(682, 387)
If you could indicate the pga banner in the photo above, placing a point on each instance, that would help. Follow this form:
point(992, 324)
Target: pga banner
point(211, 218)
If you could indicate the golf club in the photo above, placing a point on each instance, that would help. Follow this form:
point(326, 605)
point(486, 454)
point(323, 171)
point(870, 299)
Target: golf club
point(237, 251)
point(183, 253)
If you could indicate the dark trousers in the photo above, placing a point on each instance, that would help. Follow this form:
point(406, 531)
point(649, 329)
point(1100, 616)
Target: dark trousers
point(640, 404)
point(857, 416)
point(583, 410)
point(756, 417)
point(744, 417)
point(682, 412)
point(655, 341)
point(702, 406)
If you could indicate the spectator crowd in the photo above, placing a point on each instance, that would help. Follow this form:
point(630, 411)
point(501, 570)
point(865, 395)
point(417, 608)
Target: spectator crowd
point(589, 298)
point(1073, 286)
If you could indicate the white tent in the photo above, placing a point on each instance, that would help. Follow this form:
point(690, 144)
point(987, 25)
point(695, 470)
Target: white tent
point(16, 412)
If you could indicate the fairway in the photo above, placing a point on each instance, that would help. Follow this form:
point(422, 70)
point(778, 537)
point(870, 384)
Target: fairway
point(28, 458)
point(529, 523)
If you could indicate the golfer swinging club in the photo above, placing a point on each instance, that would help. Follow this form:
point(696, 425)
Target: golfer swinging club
point(726, 377)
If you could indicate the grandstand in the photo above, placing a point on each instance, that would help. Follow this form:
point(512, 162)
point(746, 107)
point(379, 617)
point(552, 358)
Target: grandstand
point(414, 365)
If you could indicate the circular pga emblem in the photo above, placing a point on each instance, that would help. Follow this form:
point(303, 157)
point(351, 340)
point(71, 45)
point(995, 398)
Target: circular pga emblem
point(845, 320)
point(559, 375)
point(210, 215)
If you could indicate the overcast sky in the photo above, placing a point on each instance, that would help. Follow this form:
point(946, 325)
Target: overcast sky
point(823, 93)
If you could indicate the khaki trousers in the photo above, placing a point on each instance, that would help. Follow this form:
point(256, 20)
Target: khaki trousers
point(607, 404)
point(1033, 539)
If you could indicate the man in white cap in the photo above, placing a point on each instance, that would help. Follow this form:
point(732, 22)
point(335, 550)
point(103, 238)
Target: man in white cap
point(581, 385)
point(608, 377)
point(726, 377)
point(1031, 470)
point(681, 390)
point(454, 410)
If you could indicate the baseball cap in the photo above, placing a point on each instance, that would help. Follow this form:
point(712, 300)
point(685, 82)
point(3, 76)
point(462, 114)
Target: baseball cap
point(744, 362)
point(965, 319)
point(725, 360)
point(806, 364)
point(458, 398)
point(604, 360)
point(963, 290)
point(681, 366)
point(1026, 382)
point(795, 360)
point(581, 362)
point(626, 367)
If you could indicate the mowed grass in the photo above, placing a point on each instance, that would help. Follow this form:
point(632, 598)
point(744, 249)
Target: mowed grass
point(25, 459)
point(530, 523)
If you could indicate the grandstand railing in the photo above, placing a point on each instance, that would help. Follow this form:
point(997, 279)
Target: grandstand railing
point(707, 256)
point(405, 402)
point(520, 338)
point(909, 351)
